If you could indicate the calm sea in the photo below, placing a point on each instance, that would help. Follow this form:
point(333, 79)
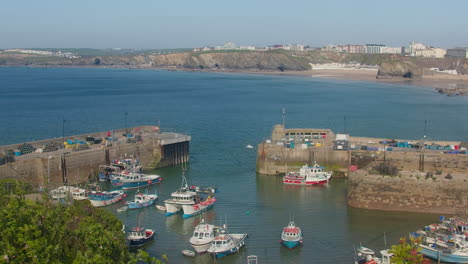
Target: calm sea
point(224, 113)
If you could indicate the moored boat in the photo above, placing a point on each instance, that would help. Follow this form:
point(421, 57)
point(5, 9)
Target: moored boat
point(160, 207)
point(60, 192)
point(99, 198)
point(308, 175)
point(202, 236)
point(367, 256)
point(136, 180)
point(143, 200)
point(198, 206)
point(188, 200)
point(458, 253)
point(79, 193)
point(225, 244)
point(291, 236)
point(139, 236)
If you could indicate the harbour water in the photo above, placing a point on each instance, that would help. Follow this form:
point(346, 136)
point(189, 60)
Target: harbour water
point(223, 113)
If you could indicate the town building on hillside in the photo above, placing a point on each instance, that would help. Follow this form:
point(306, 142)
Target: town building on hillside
point(413, 47)
point(391, 50)
point(457, 53)
point(227, 46)
point(374, 48)
point(431, 53)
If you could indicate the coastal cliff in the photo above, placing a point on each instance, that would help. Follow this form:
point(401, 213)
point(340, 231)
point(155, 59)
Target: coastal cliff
point(390, 66)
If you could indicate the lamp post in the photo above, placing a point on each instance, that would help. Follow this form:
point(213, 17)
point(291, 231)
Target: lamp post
point(125, 118)
point(63, 129)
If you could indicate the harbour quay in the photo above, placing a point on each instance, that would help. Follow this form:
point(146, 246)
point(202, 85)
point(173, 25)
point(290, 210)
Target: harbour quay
point(382, 174)
point(290, 148)
point(76, 159)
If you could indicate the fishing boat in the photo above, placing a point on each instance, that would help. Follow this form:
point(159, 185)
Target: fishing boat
point(225, 244)
point(139, 236)
point(367, 256)
point(143, 200)
point(308, 175)
point(291, 236)
point(188, 200)
point(99, 198)
point(198, 206)
point(61, 192)
point(79, 193)
point(107, 172)
point(457, 252)
point(202, 236)
point(136, 180)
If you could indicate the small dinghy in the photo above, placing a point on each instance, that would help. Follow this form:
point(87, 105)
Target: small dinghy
point(161, 207)
point(122, 209)
point(249, 147)
point(188, 253)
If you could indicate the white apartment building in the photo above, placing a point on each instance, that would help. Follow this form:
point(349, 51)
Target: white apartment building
point(391, 50)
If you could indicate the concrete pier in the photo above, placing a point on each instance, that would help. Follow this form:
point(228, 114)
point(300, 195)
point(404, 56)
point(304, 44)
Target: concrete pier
point(154, 149)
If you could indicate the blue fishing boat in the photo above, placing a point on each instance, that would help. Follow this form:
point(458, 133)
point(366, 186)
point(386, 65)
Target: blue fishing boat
point(143, 200)
point(136, 180)
point(98, 198)
point(138, 236)
point(456, 254)
point(291, 236)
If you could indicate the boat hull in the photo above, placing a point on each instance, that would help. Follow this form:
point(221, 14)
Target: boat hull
point(444, 257)
point(172, 208)
point(100, 203)
point(201, 248)
point(134, 185)
point(291, 244)
point(296, 182)
point(133, 205)
point(240, 243)
point(141, 241)
point(190, 210)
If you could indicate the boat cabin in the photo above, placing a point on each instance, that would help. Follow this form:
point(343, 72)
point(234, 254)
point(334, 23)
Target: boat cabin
point(184, 196)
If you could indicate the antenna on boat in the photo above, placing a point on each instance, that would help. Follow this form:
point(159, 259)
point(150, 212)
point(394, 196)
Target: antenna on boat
point(385, 239)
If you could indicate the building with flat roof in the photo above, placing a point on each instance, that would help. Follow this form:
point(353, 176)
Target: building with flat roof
point(374, 48)
point(457, 53)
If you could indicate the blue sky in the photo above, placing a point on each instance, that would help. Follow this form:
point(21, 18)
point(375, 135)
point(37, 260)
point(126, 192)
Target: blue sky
point(186, 24)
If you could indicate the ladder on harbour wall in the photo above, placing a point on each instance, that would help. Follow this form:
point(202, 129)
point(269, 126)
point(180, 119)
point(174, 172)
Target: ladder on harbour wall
point(252, 259)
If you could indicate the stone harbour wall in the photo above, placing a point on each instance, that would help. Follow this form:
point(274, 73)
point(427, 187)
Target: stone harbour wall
point(411, 191)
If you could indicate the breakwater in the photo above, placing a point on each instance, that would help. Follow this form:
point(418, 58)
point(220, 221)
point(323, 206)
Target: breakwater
point(429, 176)
point(79, 162)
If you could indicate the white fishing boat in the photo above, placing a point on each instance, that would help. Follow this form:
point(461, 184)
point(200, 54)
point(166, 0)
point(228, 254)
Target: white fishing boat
point(187, 200)
point(367, 256)
point(99, 198)
point(308, 175)
point(61, 192)
point(143, 200)
point(225, 244)
point(135, 180)
point(79, 193)
point(202, 236)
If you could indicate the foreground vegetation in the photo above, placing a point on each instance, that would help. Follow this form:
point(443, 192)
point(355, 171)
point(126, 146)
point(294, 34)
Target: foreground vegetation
point(43, 232)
